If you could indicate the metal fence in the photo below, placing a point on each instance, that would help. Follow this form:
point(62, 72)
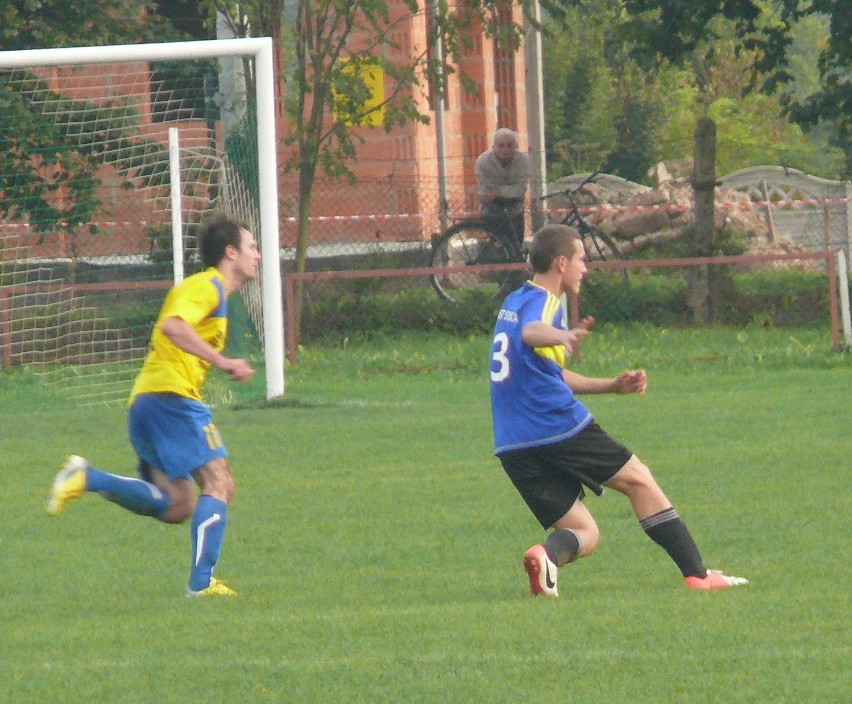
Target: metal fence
point(381, 225)
point(391, 217)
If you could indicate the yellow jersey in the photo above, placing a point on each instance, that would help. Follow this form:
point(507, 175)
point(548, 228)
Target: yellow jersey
point(200, 301)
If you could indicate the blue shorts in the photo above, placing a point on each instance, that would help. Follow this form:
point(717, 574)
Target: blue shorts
point(173, 433)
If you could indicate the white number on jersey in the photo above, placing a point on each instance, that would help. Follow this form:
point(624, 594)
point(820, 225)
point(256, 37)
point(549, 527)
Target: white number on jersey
point(501, 342)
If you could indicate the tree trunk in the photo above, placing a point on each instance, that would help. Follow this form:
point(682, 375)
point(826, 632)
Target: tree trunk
point(703, 185)
point(306, 182)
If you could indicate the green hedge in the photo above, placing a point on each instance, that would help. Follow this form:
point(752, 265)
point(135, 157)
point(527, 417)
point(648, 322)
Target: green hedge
point(770, 297)
point(359, 309)
point(351, 311)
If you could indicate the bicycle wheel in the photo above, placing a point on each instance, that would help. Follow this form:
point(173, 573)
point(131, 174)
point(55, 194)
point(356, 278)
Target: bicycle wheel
point(471, 243)
point(596, 240)
point(599, 242)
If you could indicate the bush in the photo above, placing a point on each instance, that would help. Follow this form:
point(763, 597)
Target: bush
point(780, 297)
point(785, 297)
point(660, 300)
point(136, 321)
point(338, 309)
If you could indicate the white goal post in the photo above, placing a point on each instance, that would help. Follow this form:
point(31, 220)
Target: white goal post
point(260, 50)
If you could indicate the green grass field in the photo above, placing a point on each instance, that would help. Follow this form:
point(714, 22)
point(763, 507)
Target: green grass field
point(376, 543)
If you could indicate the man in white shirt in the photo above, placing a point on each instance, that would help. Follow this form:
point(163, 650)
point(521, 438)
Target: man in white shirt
point(503, 175)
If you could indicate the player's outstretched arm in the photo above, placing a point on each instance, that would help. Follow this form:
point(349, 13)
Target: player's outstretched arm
point(540, 334)
point(632, 381)
point(184, 336)
point(237, 369)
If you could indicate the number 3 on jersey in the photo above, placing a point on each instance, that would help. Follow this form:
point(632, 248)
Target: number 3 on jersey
point(500, 347)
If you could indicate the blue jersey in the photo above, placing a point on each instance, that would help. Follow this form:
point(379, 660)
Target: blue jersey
point(530, 402)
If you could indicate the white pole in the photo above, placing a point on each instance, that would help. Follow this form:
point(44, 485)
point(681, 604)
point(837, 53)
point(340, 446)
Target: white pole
point(213, 48)
point(177, 207)
point(261, 49)
point(273, 306)
point(843, 276)
point(535, 115)
point(440, 134)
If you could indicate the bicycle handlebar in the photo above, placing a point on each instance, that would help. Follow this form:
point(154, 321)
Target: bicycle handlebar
point(572, 191)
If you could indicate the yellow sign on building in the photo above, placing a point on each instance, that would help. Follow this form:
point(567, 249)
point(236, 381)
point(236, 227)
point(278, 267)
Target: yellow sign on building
point(347, 104)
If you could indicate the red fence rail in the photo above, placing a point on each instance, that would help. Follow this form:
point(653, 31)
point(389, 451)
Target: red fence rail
point(290, 280)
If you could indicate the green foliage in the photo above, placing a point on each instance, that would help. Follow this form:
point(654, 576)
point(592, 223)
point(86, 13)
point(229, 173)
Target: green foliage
point(42, 24)
point(770, 297)
point(346, 309)
point(675, 29)
point(135, 320)
point(39, 156)
point(751, 130)
point(660, 300)
point(52, 143)
point(66, 336)
point(627, 81)
point(341, 309)
point(601, 113)
point(780, 297)
point(243, 339)
point(241, 150)
point(831, 103)
point(332, 78)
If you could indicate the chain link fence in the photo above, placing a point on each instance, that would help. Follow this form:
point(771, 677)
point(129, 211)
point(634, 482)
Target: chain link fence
point(368, 258)
point(382, 229)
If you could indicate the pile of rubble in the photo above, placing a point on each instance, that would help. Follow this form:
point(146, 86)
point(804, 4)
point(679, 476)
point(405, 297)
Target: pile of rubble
point(638, 219)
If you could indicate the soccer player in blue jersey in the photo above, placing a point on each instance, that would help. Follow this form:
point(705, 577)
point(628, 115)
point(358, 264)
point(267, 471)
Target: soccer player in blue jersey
point(548, 441)
point(170, 427)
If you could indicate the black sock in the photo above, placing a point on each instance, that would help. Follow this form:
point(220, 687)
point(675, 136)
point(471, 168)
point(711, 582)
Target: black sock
point(562, 546)
point(670, 533)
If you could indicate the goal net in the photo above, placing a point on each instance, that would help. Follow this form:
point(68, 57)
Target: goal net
point(110, 157)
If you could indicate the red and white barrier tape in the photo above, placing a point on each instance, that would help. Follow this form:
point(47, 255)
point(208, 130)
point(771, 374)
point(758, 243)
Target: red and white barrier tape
point(585, 210)
point(726, 205)
point(102, 224)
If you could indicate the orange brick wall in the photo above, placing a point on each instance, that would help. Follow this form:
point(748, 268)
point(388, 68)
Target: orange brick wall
point(396, 171)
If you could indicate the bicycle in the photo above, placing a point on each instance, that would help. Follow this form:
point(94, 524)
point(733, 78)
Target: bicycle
point(495, 240)
point(598, 244)
point(477, 241)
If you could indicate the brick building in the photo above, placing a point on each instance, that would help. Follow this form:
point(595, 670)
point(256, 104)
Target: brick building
point(398, 172)
point(396, 193)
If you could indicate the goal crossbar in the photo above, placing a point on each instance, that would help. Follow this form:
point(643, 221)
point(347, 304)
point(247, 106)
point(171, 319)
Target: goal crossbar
point(261, 50)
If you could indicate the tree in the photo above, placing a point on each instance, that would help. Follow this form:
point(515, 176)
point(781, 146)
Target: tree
point(639, 75)
point(37, 156)
point(675, 29)
point(733, 59)
point(330, 51)
point(832, 102)
point(753, 126)
point(41, 24)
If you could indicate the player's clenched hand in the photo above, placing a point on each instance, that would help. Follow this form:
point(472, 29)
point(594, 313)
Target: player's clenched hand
point(573, 336)
point(572, 339)
point(237, 369)
point(632, 381)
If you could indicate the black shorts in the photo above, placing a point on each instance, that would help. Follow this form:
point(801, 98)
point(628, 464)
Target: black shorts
point(550, 478)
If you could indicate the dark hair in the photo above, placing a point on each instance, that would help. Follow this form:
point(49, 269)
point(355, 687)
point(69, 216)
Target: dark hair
point(549, 242)
point(215, 234)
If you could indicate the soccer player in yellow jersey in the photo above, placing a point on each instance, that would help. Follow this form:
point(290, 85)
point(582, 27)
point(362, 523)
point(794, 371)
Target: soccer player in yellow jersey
point(170, 427)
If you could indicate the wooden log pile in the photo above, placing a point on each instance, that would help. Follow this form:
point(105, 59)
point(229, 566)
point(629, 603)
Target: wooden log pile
point(638, 220)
